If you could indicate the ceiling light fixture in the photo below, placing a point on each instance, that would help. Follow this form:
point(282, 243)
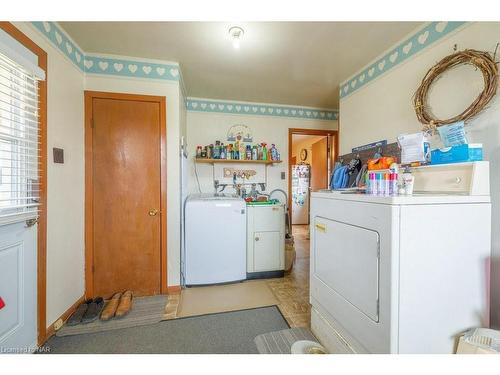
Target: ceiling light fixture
point(236, 34)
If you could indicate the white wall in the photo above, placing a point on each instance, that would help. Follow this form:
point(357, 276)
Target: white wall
point(204, 128)
point(170, 90)
point(383, 109)
point(300, 142)
point(65, 188)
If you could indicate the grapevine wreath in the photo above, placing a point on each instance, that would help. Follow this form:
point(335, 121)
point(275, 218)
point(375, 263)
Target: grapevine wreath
point(483, 61)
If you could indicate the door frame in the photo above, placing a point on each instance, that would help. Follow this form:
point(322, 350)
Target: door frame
point(89, 214)
point(300, 131)
point(41, 276)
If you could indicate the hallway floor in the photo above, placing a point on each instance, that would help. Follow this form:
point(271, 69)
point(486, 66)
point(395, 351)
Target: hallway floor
point(293, 290)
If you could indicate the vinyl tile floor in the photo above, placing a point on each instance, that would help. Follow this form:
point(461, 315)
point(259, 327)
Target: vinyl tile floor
point(291, 291)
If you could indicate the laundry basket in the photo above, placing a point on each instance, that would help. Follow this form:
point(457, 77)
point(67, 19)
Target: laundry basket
point(479, 341)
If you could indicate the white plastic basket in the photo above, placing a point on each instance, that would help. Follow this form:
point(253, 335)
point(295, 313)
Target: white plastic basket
point(479, 341)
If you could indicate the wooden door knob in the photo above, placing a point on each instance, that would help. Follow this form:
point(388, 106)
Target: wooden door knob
point(153, 212)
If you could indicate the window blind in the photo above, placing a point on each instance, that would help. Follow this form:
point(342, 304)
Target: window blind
point(19, 143)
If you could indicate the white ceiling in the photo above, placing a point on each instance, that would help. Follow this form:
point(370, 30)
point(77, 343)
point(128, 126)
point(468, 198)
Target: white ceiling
point(296, 63)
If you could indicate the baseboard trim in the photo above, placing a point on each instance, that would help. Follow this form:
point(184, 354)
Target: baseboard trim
point(174, 289)
point(51, 329)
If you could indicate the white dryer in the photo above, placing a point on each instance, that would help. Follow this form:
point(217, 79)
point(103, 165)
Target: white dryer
point(404, 274)
point(215, 239)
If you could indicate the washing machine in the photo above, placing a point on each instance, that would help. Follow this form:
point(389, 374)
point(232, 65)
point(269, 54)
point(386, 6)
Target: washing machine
point(214, 239)
point(402, 274)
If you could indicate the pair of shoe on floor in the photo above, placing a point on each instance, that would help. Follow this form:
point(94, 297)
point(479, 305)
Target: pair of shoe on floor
point(87, 312)
point(118, 306)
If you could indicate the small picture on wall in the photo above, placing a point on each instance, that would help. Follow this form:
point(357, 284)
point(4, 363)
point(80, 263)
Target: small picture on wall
point(239, 133)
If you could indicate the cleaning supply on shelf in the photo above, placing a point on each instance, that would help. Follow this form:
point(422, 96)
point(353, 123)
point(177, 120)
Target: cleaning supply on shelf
point(274, 152)
point(387, 184)
point(255, 153)
point(216, 151)
point(370, 185)
point(393, 189)
point(379, 184)
point(264, 151)
point(222, 151)
point(242, 153)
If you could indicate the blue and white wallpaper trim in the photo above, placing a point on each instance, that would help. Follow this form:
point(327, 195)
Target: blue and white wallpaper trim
point(95, 64)
point(255, 109)
point(422, 39)
point(62, 42)
point(131, 67)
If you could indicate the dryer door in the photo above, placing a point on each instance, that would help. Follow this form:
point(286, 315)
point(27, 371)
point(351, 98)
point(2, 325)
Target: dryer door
point(347, 261)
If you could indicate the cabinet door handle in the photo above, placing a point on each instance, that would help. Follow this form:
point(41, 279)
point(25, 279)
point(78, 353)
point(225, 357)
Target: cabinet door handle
point(257, 238)
point(321, 227)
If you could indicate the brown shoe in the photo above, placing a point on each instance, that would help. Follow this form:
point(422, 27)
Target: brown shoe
point(125, 304)
point(110, 309)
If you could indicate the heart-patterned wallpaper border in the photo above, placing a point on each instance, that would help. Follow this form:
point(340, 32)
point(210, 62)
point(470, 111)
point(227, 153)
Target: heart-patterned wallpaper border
point(131, 68)
point(409, 47)
point(95, 64)
point(61, 41)
point(256, 109)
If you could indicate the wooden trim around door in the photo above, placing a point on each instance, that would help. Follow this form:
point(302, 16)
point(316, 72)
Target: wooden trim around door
point(297, 131)
point(14, 32)
point(89, 235)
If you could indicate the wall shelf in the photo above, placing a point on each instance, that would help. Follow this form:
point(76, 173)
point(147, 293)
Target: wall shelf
point(213, 161)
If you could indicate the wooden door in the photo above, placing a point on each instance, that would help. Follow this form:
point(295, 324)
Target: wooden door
point(319, 165)
point(126, 184)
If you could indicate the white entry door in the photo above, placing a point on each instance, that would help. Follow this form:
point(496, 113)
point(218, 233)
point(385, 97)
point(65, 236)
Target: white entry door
point(18, 266)
point(20, 192)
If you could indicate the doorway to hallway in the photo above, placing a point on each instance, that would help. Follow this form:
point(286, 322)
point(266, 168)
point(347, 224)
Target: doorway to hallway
point(311, 156)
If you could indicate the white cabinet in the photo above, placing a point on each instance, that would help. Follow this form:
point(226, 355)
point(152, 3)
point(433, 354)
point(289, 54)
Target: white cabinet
point(265, 241)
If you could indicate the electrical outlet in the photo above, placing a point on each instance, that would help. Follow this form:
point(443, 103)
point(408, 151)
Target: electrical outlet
point(283, 175)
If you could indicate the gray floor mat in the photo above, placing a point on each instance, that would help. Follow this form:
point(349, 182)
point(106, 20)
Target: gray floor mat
point(223, 333)
point(145, 310)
